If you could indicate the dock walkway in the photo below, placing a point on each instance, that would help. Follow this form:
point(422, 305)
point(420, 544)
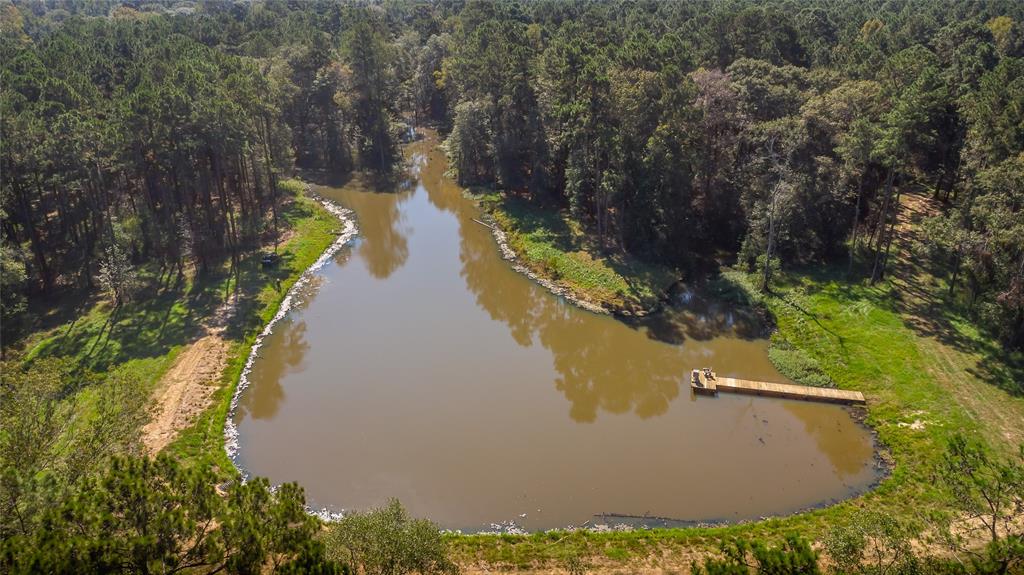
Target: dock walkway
point(704, 385)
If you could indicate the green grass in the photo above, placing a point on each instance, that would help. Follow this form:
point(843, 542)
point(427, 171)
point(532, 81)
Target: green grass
point(315, 232)
point(865, 345)
point(831, 331)
point(796, 364)
point(142, 338)
point(555, 247)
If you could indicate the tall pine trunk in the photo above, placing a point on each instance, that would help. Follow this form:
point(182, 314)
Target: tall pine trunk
point(883, 221)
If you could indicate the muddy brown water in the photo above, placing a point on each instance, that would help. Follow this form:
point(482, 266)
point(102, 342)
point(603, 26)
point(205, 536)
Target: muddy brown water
point(420, 366)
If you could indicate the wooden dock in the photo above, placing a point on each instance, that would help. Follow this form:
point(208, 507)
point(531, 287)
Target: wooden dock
point(704, 385)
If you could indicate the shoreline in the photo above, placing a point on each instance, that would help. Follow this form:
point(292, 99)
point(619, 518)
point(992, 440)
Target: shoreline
point(349, 230)
point(556, 287)
point(328, 513)
point(509, 255)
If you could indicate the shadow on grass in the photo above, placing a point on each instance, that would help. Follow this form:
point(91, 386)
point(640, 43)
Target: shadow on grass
point(791, 302)
point(1003, 369)
point(138, 329)
point(247, 315)
point(548, 223)
point(928, 315)
point(935, 319)
point(636, 272)
point(65, 307)
point(294, 212)
point(163, 315)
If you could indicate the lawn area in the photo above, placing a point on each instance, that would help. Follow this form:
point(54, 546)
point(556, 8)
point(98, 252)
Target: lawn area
point(140, 340)
point(553, 246)
point(920, 390)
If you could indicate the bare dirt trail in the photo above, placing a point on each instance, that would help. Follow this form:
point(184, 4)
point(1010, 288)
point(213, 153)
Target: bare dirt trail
point(186, 390)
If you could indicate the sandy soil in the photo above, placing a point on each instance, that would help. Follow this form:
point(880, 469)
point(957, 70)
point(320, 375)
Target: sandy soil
point(185, 391)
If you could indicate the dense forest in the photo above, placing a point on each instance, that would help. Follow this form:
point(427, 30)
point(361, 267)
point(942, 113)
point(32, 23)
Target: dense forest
point(152, 133)
point(152, 138)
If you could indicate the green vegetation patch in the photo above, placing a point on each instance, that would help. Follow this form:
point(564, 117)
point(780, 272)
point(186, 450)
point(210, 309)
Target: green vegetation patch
point(554, 246)
point(796, 364)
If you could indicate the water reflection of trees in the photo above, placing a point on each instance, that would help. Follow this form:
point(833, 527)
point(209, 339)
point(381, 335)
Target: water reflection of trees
point(383, 234)
point(701, 319)
point(602, 364)
point(605, 365)
point(285, 352)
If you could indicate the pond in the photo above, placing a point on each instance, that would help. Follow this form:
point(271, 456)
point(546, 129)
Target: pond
point(419, 365)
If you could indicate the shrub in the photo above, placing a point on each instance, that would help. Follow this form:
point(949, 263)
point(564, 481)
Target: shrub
point(795, 364)
point(794, 557)
point(156, 516)
point(386, 541)
point(291, 188)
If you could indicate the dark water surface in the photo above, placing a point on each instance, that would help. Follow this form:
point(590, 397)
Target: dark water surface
point(420, 366)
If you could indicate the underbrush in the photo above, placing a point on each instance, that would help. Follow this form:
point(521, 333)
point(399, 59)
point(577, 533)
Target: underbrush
point(796, 364)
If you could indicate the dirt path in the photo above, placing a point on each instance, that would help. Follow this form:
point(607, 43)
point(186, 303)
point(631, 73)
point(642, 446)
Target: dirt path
point(186, 390)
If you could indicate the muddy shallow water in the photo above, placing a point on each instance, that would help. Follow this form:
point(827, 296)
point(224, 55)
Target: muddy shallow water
point(419, 365)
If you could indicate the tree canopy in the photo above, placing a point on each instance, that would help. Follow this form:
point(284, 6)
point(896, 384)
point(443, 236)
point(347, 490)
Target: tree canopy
point(783, 133)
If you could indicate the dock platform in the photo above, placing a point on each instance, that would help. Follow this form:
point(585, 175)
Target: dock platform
point(704, 385)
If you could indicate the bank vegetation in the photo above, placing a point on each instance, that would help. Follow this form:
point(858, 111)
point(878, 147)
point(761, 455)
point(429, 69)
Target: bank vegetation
point(855, 170)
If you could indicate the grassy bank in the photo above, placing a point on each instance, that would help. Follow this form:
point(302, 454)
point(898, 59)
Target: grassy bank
point(314, 230)
point(554, 247)
point(921, 388)
point(141, 339)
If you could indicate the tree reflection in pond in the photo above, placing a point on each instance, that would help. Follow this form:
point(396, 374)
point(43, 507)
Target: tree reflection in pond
point(383, 242)
point(435, 373)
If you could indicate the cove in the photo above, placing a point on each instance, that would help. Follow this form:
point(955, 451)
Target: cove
point(419, 365)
